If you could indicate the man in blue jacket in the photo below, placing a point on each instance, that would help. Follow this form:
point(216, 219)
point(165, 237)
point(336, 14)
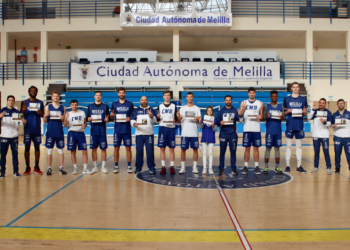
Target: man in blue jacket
point(142, 119)
point(226, 120)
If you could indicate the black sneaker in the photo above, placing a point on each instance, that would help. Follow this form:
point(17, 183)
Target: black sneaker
point(137, 171)
point(221, 171)
point(257, 170)
point(62, 171)
point(16, 174)
point(301, 170)
point(49, 171)
point(2, 175)
point(245, 170)
point(234, 172)
point(337, 170)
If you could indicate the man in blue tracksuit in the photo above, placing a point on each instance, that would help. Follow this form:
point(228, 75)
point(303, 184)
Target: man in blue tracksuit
point(142, 119)
point(226, 120)
point(341, 126)
point(122, 110)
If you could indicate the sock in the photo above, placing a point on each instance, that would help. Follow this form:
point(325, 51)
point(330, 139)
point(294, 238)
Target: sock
point(266, 163)
point(277, 164)
point(49, 167)
point(163, 163)
point(182, 164)
point(27, 164)
point(85, 166)
point(61, 167)
point(103, 164)
point(129, 163)
point(194, 164)
point(95, 164)
point(75, 165)
point(172, 164)
point(256, 164)
point(36, 164)
point(288, 151)
point(246, 164)
point(298, 152)
point(116, 164)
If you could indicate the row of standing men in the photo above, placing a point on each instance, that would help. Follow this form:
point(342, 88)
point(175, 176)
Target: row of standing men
point(125, 115)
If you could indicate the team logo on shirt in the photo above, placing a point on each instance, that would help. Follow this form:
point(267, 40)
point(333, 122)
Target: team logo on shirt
point(295, 104)
point(190, 180)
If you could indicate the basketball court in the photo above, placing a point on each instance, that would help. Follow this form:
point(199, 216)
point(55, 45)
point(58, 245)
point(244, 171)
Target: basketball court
point(128, 211)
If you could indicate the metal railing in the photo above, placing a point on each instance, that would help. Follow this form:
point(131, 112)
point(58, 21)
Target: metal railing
point(291, 8)
point(288, 70)
point(59, 9)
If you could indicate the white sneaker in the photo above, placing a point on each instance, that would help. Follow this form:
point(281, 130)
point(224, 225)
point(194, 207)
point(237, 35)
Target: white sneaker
point(182, 170)
point(329, 171)
point(75, 171)
point(195, 170)
point(315, 170)
point(86, 171)
point(129, 170)
point(204, 171)
point(94, 170)
point(116, 170)
point(211, 171)
point(104, 170)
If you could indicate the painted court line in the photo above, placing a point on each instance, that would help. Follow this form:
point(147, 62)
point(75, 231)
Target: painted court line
point(232, 215)
point(41, 202)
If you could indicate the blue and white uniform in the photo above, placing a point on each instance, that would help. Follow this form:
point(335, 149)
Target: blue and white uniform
point(32, 129)
point(144, 136)
point(98, 130)
point(76, 136)
point(341, 136)
point(320, 134)
point(251, 127)
point(166, 135)
point(294, 125)
point(9, 138)
point(208, 132)
point(122, 130)
point(273, 136)
point(54, 132)
point(189, 127)
point(228, 134)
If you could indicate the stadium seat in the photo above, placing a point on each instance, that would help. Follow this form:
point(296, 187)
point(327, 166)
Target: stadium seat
point(257, 60)
point(84, 60)
point(270, 60)
point(144, 59)
point(234, 60)
point(220, 60)
point(208, 60)
point(109, 60)
point(120, 60)
point(171, 60)
point(132, 60)
point(97, 61)
point(246, 60)
point(196, 59)
point(185, 60)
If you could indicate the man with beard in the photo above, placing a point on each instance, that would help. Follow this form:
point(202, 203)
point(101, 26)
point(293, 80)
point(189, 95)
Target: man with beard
point(322, 121)
point(122, 110)
point(341, 126)
point(33, 111)
point(142, 119)
point(226, 120)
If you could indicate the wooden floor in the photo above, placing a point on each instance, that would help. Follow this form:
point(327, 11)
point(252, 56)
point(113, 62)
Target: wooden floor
point(121, 212)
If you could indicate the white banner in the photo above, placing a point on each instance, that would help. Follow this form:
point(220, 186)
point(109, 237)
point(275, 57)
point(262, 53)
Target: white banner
point(176, 71)
point(180, 19)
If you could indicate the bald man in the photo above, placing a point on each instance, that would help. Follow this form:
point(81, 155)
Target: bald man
point(142, 119)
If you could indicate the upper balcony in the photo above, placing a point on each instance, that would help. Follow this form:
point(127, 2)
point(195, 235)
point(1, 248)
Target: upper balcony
point(247, 14)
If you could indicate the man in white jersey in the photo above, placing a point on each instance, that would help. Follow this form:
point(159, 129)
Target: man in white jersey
point(190, 116)
point(166, 135)
point(76, 137)
point(252, 112)
point(322, 121)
